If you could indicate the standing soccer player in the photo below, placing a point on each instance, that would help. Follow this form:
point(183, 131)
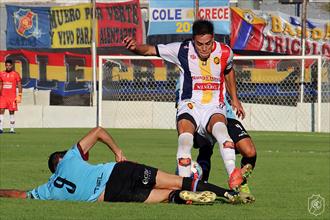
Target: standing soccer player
point(242, 140)
point(206, 73)
point(8, 96)
point(243, 145)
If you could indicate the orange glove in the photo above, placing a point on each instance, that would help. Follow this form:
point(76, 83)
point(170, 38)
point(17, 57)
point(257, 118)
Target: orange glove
point(19, 98)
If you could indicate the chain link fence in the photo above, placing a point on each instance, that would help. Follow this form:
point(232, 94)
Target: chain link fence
point(274, 82)
point(135, 85)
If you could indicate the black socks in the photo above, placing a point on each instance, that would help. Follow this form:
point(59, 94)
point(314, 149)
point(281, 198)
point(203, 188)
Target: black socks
point(195, 185)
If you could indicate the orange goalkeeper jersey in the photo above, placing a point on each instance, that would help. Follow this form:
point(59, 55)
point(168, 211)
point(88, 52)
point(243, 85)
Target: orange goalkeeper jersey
point(9, 83)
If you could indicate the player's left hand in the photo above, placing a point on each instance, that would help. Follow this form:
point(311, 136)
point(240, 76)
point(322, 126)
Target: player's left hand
point(19, 98)
point(120, 157)
point(130, 43)
point(237, 106)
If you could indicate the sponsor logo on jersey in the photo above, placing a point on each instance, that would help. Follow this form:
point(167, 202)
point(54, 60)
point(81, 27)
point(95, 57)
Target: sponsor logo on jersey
point(98, 183)
point(216, 60)
point(7, 85)
point(206, 86)
point(206, 78)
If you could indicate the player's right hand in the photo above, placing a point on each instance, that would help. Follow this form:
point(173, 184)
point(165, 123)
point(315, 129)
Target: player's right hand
point(19, 98)
point(237, 106)
point(130, 43)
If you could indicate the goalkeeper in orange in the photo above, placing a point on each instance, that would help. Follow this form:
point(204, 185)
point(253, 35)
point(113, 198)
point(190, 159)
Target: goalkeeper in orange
point(9, 97)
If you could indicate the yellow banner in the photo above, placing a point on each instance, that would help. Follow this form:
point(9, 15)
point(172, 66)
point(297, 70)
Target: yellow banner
point(71, 26)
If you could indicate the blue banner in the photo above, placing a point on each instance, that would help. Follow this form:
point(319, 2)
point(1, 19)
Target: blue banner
point(170, 17)
point(28, 27)
point(218, 12)
point(177, 16)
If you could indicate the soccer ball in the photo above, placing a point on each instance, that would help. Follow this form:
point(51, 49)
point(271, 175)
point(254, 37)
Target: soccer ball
point(196, 170)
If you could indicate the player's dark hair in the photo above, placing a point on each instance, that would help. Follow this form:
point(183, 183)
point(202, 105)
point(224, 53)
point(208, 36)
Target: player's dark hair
point(202, 27)
point(9, 61)
point(54, 159)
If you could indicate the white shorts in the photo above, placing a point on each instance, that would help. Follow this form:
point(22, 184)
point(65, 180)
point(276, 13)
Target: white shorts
point(200, 113)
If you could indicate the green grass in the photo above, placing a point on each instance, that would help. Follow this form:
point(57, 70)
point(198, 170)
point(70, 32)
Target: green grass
point(290, 168)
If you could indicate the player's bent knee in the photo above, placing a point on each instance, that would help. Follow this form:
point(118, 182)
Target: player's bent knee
point(246, 148)
point(249, 151)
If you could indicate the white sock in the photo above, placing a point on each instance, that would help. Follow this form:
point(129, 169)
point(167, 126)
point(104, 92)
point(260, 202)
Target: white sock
point(1, 122)
point(185, 143)
point(12, 122)
point(220, 132)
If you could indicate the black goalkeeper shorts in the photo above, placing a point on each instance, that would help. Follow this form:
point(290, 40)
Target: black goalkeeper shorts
point(236, 130)
point(130, 182)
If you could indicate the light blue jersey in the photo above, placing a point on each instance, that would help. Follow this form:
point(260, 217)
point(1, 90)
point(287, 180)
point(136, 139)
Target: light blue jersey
point(230, 112)
point(75, 179)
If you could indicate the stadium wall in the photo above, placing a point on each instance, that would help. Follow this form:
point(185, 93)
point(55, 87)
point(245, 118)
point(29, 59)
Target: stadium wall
point(259, 117)
point(117, 114)
point(286, 118)
point(40, 116)
point(161, 115)
point(35, 112)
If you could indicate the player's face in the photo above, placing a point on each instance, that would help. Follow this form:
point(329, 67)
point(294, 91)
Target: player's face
point(9, 67)
point(203, 45)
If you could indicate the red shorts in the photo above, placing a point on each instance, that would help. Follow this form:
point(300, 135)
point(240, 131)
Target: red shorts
point(8, 103)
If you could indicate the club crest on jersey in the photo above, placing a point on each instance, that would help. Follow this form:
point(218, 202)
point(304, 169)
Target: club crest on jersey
point(190, 105)
point(216, 60)
point(26, 22)
point(193, 57)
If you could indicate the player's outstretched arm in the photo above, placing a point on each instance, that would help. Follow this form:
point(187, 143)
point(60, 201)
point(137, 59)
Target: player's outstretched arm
point(13, 193)
point(100, 134)
point(143, 49)
point(232, 90)
point(20, 88)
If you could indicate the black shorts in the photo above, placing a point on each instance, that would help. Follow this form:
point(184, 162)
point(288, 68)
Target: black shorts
point(236, 130)
point(130, 182)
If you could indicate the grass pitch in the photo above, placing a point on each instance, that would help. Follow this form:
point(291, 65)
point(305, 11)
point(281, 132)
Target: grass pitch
point(291, 167)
